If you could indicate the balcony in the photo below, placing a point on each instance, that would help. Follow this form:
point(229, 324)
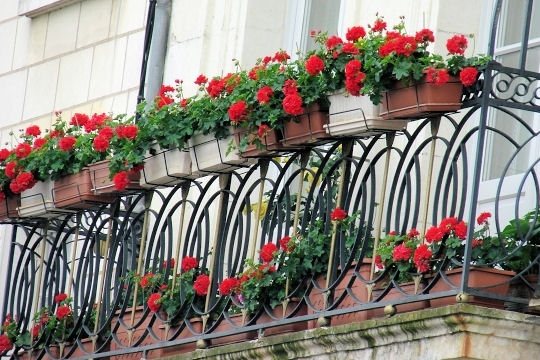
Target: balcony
point(385, 181)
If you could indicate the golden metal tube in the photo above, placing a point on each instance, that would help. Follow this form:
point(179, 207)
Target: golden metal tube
point(435, 122)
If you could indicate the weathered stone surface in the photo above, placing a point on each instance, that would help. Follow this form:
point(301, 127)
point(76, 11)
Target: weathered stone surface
point(455, 332)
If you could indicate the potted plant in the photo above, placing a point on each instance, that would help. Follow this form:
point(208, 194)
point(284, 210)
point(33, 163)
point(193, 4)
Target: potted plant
point(350, 113)
point(394, 61)
point(176, 300)
point(485, 272)
point(164, 130)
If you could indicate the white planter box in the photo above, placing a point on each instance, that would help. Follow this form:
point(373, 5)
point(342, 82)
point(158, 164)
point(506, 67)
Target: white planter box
point(357, 116)
point(166, 167)
point(209, 155)
point(38, 201)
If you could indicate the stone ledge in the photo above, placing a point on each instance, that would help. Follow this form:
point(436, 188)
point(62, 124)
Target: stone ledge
point(454, 332)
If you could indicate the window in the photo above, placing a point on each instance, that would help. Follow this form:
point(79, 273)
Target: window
point(507, 51)
point(306, 15)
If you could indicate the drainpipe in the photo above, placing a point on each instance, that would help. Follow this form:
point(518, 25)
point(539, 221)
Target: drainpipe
point(155, 48)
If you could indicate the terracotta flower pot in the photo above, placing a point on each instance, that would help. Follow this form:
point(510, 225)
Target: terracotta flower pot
point(358, 289)
point(271, 145)
point(188, 331)
point(75, 192)
point(491, 280)
point(235, 321)
point(404, 290)
point(308, 128)
point(127, 333)
point(294, 306)
point(103, 185)
point(421, 99)
point(8, 208)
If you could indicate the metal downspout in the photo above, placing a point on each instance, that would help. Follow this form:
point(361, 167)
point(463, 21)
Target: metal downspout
point(155, 48)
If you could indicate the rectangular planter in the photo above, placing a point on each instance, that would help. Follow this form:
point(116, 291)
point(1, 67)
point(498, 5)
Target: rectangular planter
point(421, 99)
point(38, 201)
point(296, 306)
point(103, 185)
point(307, 129)
point(271, 144)
point(166, 168)
point(209, 155)
point(486, 279)
point(9, 208)
point(75, 192)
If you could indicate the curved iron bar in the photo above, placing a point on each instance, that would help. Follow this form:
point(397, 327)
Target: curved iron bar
point(223, 240)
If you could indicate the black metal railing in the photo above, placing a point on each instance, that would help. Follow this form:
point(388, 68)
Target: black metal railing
point(390, 181)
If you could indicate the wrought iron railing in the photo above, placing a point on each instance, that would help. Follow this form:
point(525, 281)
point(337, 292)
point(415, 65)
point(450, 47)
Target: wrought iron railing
point(392, 181)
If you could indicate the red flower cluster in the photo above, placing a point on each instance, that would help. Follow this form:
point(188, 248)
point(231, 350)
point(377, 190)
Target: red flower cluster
point(201, 284)
point(338, 214)
point(268, 252)
point(447, 226)
point(188, 263)
point(238, 111)
point(314, 65)
point(354, 77)
point(60, 297)
point(63, 312)
point(164, 96)
point(154, 302)
point(228, 286)
point(5, 343)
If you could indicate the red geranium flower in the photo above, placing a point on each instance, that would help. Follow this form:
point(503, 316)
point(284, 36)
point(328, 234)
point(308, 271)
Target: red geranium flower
point(457, 44)
point(401, 253)
point(424, 35)
point(23, 150)
point(39, 142)
point(201, 284)
point(33, 130)
point(101, 143)
point(228, 285)
point(338, 214)
point(468, 75)
point(79, 119)
point(333, 41)
point(127, 131)
point(5, 343)
point(146, 280)
point(421, 258)
point(121, 180)
point(286, 244)
point(189, 263)
point(4, 153)
point(238, 111)
point(63, 311)
point(264, 94)
point(66, 143)
point(292, 104)
point(355, 33)
point(379, 25)
point(267, 252)
point(483, 218)
point(437, 76)
point(263, 130)
point(154, 302)
point(314, 65)
point(170, 263)
point(107, 132)
point(201, 80)
point(11, 169)
point(434, 234)
point(60, 297)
